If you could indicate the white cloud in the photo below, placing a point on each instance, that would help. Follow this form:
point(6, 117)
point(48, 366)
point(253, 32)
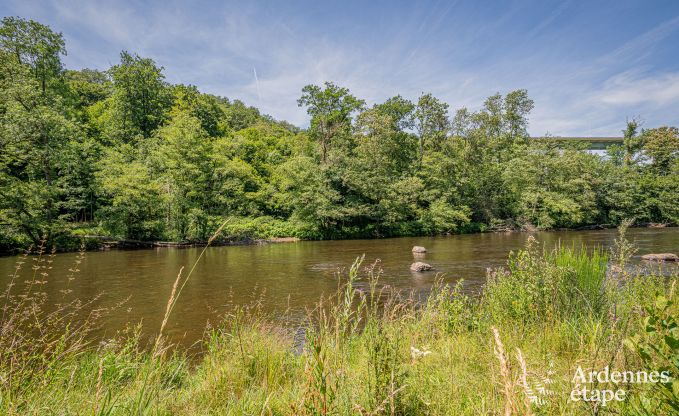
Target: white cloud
point(216, 46)
point(627, 89)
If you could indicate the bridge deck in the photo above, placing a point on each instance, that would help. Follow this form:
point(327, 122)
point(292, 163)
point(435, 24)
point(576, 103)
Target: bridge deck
point(596, 143)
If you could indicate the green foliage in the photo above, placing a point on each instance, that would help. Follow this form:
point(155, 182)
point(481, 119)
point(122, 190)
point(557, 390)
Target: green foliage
point(36, 137)
point(431, 122)
point(139, 101)
point(442, 218)
point(661, 146)
point(307, 194)
point(33, 45)
point(133, 206)
point(330, 109)
point(243, 229)
point(204, 107)
point(565, 284)
point(85, 88)
point(137, 157)
point(182, 158)
point(554, 186)
point(658, 348)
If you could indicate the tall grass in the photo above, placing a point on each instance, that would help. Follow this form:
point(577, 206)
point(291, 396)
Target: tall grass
point(560, 284)
point(511, 350)
point(581, 281)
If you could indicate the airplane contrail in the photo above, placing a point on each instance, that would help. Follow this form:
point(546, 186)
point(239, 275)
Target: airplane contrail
point(259, 94)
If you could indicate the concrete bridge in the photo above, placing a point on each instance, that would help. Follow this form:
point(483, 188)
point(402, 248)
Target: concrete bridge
point(595, 143)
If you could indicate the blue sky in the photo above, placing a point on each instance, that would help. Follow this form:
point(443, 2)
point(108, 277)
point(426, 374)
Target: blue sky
point(589, 65)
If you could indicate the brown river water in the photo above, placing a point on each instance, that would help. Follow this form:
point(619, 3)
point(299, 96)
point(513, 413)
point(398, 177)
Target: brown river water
point(286, 278)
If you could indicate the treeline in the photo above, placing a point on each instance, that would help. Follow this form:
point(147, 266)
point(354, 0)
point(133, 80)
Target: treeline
point(123, 153)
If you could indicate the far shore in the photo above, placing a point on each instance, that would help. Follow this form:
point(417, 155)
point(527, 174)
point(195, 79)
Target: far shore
point(105, 243)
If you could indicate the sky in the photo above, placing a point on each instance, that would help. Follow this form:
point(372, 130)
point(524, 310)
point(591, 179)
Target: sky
point(589, 65)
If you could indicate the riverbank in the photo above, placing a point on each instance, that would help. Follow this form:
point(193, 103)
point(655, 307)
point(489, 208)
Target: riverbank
point(86, 242)
point(103, 243)
point(370, 350)
point(107, 243)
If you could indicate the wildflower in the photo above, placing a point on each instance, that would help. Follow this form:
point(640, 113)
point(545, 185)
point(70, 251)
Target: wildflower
point(417, 353)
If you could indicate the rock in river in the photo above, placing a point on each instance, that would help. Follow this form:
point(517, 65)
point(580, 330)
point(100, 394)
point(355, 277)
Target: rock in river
point(419, 249)
point(660, 257)
point(420, 267)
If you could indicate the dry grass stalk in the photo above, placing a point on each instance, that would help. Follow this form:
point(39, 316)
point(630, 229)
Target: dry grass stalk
point(505, 372)
point(170, 302)
point(265, 406)
point(218, 232)
point(32, 340)
point(383, 406)
point(523, 380)
point(174, 295)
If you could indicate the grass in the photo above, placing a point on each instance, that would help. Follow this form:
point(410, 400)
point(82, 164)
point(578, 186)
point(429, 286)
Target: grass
point(512, 350)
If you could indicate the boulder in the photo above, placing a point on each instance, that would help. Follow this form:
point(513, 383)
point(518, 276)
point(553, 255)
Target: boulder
point(420, 267)
point(660, 257)
point(419, 249)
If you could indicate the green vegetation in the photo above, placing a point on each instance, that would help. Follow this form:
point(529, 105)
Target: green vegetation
point(515, 349)
point(124, 154)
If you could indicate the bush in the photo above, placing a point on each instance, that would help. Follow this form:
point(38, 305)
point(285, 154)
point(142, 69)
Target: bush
point(565, 283)
point(658, 349)
point(75, 243)
point(257, 228)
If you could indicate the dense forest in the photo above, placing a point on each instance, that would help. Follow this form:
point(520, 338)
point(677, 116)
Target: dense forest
point(123, 153)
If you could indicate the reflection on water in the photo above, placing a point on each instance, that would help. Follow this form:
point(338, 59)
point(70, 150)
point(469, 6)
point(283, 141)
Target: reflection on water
point(288, 276)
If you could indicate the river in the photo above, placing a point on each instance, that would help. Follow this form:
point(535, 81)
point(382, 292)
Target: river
point(285, 278)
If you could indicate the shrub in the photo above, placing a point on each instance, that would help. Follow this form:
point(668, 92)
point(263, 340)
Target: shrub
point(658, 348)
point(565, 283)
point(257, 228)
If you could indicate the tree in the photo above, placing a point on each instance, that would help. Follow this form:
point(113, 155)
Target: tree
point(660, 178)
point(139, 101)
point(239, 116)
point(431, 122)
point(442, 218)
point(132, 203)
point(661, 146)
point(125, 153)
point(182, 161)
point(553, 186)
point(502, 122)
point(34, 45)
point(490, 119)
point(84, 89)
point(632, 142)
point(622, 195)
point(400, 111)
point(382, 153)
point(34, 130)
point(517, 106)
point(330, 109)
point(206, 108)
point(313, 203)
point(403, 204)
